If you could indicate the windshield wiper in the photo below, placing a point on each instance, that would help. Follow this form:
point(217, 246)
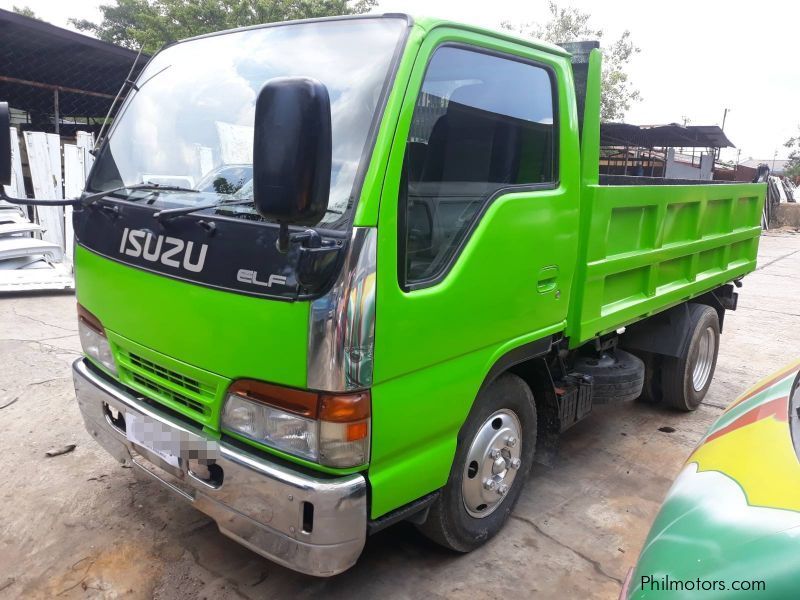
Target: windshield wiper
point(169, 213)
point(155, 187)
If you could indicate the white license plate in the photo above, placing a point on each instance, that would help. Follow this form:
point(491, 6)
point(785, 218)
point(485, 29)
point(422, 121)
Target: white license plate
point(159, 439)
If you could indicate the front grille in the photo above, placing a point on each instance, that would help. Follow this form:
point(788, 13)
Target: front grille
point(183, 393)
point(159, 390)
point(176, 378)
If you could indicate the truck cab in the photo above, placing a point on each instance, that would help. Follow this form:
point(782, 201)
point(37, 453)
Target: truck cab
point(337, 273)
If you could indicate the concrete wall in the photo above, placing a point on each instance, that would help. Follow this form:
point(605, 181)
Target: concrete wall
point(786, 214)
point(682, 170)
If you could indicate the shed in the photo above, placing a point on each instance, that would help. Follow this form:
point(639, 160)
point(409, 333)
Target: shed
point(55, 76)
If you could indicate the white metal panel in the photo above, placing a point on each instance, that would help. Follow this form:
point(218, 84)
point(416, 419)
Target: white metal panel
point(56, 277)
point(74, 180)
point(18, 228)
point(11, 212)
point(44, 158)
point(54, 150)
point(27, 262)
point(17, 187)
point(14, 247)
point(74, 172)
point(86, 143)
point(78, 161)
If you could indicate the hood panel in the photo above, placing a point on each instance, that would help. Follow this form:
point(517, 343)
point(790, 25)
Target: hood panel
point(228, 334)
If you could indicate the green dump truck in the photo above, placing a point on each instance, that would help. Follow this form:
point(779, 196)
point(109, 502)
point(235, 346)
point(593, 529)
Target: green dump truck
point(338, 273)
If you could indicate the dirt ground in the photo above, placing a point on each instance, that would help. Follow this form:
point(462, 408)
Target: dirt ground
point(79, 525)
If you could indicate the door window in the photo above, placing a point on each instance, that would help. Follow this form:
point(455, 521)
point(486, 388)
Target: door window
point(482, 123)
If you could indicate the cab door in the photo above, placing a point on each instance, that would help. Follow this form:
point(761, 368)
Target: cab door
point(477, 240)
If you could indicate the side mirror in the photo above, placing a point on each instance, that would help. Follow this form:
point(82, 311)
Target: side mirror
point(5, 144)
point(292, 152)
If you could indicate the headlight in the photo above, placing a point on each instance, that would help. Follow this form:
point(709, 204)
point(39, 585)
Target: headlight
point(93, 340)
point(331, 429)
point(271, 426)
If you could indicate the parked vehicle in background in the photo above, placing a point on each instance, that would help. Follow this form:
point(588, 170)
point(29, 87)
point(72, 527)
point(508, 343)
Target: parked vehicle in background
point(731, 521)
point(424, 282)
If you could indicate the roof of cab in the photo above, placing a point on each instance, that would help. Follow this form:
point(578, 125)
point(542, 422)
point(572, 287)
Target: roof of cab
point(429, 23)
point(426, 23)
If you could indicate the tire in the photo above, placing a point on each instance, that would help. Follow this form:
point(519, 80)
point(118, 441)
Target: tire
point(450, 522)
point(651, 390)
point(617, 377)
point(685, 379)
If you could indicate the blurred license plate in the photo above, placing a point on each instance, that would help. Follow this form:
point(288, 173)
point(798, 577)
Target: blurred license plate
point(152, 435)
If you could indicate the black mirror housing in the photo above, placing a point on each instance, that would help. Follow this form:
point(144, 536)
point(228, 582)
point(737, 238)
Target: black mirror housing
point(292, 151)
point(5, 144)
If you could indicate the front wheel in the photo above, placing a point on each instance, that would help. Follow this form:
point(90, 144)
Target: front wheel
point(493, 457)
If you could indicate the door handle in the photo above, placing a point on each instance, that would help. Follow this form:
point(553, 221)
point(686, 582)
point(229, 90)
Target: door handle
point(548, 279)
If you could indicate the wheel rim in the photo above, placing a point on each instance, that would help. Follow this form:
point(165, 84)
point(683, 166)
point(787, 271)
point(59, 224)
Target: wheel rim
point(492, 463)
point(706, 349)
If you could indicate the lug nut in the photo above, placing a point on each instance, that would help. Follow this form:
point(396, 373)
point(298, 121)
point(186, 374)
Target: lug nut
point(503, 489)
point(494, 453)
point(511, 441)
point(515, 463)
point(490, 484)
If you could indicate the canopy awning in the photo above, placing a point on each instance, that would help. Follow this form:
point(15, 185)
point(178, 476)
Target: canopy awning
point(37, 58)
point(663, 136)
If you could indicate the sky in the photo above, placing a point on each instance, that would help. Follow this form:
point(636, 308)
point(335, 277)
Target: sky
point(698, 57)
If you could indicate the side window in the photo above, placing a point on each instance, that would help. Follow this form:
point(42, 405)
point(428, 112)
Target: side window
point(481, 123)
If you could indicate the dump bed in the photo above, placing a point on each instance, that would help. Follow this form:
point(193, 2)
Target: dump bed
point(646, 248)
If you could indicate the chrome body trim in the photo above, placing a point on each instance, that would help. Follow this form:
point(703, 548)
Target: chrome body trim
point(258, 503)
point(341, 327)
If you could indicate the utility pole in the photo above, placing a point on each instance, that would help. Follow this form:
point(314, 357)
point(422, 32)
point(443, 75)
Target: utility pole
point(736, 168)
point(724, 117)
point(774, 156)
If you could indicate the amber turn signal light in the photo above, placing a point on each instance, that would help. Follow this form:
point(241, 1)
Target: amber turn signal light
point(336, 408)
point(90, 320)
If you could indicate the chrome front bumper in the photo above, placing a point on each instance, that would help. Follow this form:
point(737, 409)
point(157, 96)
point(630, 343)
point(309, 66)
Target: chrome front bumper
point(260, 504)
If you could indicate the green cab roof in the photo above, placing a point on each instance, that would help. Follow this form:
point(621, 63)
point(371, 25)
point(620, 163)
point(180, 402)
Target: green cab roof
point(426, 23)
point(429, 23)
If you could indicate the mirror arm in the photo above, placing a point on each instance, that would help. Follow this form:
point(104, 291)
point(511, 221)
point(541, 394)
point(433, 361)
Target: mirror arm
point(37, 202)
point(310, 238)
point(284, 239)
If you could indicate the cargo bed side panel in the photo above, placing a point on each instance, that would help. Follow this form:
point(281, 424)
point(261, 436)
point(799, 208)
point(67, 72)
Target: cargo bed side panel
point(651, 247)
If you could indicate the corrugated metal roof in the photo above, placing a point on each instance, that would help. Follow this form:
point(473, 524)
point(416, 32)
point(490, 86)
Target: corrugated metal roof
point(40, 53)
point(780, 164)
point(663, 136)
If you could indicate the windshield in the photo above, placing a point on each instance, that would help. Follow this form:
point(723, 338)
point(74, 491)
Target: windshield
point(190, 124)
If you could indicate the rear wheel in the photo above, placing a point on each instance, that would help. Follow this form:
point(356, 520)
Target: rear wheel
point(685, 379)
point(493, 457)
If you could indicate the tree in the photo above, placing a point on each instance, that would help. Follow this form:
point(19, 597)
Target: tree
point(150, 24)
point(570, 24)
point(792, 168)
point(25, 11)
